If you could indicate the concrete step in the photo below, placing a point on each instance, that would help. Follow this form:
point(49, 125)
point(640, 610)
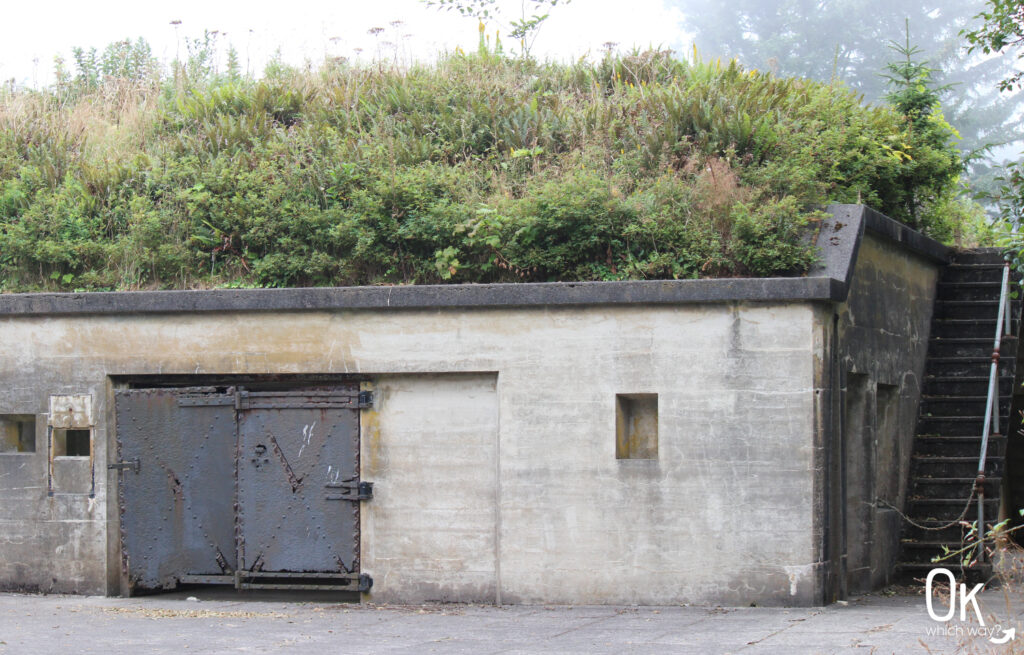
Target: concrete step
point(960, 405)
point(967, 366)
point(949, 509)
point(951, 487)
point(969, 328)
point(957, 425)
point(932, 466)
point(940, 531)
point(967, 385)
point(923, 552)
point(958, 446)
point(980, 257)
point(971, 309)
point(969, 291)
point(969, 347)
point(971, 273)
point(918, 571)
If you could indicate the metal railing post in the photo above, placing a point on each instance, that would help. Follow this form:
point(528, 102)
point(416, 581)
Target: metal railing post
point(991, 406)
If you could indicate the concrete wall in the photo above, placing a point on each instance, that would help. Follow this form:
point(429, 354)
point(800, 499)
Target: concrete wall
point(430, 445)
point(501, 480)
point(48, 543)
point(883, 332)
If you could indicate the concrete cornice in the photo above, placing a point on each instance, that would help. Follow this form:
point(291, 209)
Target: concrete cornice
point(654, 292)
point(840, 235)
point(838, 240)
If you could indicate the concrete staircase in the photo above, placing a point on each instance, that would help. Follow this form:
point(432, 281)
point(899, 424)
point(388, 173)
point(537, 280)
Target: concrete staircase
point(947, 444)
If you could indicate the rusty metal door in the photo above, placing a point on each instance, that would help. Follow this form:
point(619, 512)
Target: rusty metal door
point(298, 484)
point(250, 488)
point(176, 494)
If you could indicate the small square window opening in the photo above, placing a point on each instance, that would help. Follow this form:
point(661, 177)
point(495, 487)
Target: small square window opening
point(17, 433)
point(636, 426)
point(72, 443)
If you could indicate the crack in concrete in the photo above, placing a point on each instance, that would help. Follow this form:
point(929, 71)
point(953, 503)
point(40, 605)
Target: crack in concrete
point(584, 625)
point(792, 623)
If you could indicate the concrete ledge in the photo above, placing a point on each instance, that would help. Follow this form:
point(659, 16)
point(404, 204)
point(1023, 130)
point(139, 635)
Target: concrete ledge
point(655, 292)
point(911, 240)
point(841, 233)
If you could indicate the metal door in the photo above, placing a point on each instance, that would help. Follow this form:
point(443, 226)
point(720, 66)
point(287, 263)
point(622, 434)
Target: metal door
point(251, 488)
point(176, 450)
point(298, 483)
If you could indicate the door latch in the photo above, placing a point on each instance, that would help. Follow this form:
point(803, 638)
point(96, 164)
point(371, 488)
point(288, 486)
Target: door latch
point(351, 491)
point(134, 464)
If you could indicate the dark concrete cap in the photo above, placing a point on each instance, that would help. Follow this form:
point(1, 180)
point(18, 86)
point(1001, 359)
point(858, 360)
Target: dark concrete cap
point(911, 240)
point(840, 236)
point(655, 292)
point(838, 241)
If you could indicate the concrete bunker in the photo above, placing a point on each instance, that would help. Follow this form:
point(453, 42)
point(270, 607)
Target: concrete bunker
point(692, 441)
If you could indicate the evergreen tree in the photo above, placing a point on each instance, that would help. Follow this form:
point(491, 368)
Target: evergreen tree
point(846, 40)
point(913, 94)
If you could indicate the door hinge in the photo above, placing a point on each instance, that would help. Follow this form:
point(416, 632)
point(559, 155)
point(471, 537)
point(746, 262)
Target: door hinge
point(351, 491)
point(134, 464)
point(365, 399)
point(365, 582)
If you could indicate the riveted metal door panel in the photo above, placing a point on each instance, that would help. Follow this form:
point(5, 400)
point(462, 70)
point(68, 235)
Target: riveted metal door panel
point(298, 476)
point(176, 452)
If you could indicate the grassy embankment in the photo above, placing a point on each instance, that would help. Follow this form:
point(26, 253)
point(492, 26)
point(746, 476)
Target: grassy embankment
point(478, 168)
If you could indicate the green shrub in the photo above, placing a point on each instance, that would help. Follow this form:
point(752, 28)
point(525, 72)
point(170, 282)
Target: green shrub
point(476, 169)
point(767, 237)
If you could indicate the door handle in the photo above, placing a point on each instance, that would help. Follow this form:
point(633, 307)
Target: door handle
point(351, 491)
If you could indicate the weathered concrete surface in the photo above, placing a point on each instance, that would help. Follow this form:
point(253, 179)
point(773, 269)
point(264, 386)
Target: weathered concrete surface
point(883, 330)
point(430, 445)
point(722, 516)
point(645, 292)
point(218, 623)
point(840, 236)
